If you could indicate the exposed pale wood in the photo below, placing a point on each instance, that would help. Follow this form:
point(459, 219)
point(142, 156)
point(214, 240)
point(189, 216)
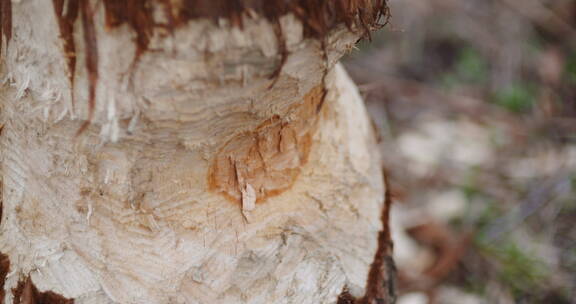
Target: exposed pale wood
point(200, 178)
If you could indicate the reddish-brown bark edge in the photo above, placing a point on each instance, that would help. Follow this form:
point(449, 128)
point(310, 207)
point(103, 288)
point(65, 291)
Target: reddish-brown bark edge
point(5, 21)
point(380, 286)
point(4, 261)
point(318, 17)
point(4, 270)
point(25, 292)
point(1, 189)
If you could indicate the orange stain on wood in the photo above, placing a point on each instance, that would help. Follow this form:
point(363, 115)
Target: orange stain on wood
point(269, 158)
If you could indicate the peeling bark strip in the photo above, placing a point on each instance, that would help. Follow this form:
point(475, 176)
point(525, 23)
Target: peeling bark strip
point(27, 293)
point(138, 15)
point(66, 17)
point(317, 16)
point(4, 270)
point(91, 57)
point(269, 159)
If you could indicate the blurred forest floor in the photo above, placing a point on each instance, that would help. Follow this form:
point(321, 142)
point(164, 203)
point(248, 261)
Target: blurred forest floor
point(475, 101)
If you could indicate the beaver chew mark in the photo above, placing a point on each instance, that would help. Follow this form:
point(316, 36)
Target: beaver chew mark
point(26, 293)
point(318, 18)
point(4, 270)
point(268, 159)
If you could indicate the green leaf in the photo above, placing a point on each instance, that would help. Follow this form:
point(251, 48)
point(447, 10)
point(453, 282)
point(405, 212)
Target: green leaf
point(519, 98)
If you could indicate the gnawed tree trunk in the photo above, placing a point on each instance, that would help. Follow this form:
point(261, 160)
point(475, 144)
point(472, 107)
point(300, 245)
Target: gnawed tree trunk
point(188, 152)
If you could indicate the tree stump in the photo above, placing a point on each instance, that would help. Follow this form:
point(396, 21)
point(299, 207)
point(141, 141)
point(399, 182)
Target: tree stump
point(190, 151)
